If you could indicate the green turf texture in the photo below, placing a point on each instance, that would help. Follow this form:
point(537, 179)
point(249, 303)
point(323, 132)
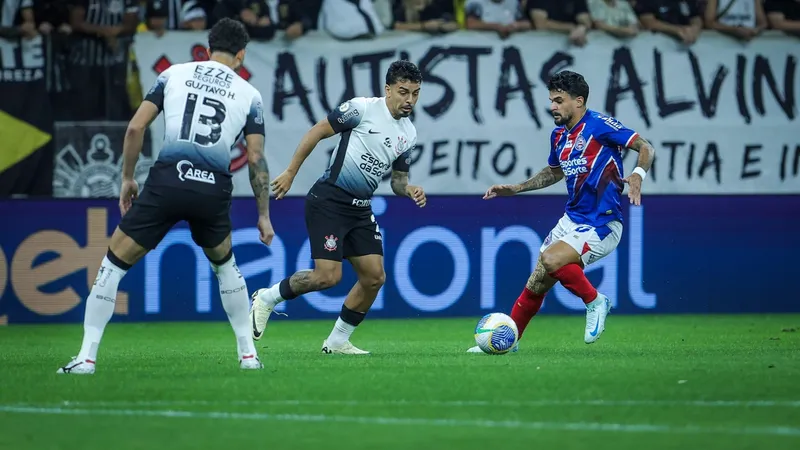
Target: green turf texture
point(650, 382)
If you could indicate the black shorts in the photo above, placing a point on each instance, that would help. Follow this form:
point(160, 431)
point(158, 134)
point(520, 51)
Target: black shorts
point(339, 227)
point(160, 206)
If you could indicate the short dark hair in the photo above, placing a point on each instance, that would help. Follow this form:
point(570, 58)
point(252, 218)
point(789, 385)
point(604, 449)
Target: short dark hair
point(228, 36)
point(570, 82)
point(403, 70)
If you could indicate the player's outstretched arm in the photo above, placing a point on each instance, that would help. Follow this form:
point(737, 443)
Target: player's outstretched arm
point(546, 177)
point(283, 182)
point(646, 155)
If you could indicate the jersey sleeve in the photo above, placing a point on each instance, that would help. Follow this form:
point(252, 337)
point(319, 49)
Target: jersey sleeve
point(255, 118)
point(611, 132)
point(348, 115)
point(403, 162)
point(156, 93)
point(552, 160)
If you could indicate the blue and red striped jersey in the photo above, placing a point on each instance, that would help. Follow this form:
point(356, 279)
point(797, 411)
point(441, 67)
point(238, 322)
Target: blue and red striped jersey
point(590, 154)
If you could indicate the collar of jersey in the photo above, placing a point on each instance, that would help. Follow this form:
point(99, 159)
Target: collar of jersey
point(583, 118)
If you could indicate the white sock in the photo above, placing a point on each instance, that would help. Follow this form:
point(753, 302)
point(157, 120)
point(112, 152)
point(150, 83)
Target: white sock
point(272, 297)
point(99, 308)
point(236, 303)
point(594, 302)
point(341, 333)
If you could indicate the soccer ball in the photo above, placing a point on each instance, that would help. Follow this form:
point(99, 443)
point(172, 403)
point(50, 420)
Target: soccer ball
point(496, 333)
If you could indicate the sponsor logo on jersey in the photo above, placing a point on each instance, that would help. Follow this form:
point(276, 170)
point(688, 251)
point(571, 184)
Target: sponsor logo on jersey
point(574, 166)
point(186, 171)
point(259, 119)
point(361, 203)
point(347, 116)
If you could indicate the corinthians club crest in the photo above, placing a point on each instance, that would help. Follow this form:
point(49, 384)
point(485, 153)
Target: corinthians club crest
point(330, 243)
point(95, 171)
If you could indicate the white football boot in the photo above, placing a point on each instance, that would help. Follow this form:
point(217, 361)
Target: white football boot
point(250, 362)
point(345, 349)
point(78, 367)
point(260, 312)
point(596, 313)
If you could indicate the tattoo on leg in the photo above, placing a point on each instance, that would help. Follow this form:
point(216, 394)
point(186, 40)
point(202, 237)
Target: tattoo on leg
point(537, 281)
point(302, 282)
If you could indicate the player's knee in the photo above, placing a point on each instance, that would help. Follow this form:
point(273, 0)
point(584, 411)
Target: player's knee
point(328, 278)
point(373, 281)
point(551, 261)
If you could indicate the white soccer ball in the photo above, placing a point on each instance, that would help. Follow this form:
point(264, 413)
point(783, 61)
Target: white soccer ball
point(496, 333)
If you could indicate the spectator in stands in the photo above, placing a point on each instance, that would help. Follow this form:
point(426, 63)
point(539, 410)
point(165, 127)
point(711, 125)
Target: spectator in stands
point(102, 32)
point(350, 19)
point(52, 16)
point(615, 17)
point(501, 16)
point(677, 18)
point(742, 19)
point(564, 16)
point(255, 14)
point(294, 17)
point(432, 16)
point(17, 19)
point(784, 15)
point(163, 15)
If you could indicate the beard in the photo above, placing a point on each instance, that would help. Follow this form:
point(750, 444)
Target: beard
point(560, 120)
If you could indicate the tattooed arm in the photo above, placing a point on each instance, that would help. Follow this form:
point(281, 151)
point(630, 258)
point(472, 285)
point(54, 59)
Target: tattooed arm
point(401, 187)
point(259, 181)
point(545, 178)
point(646, 155)
point(548, 176)
point(259, 172)
point(399, 183)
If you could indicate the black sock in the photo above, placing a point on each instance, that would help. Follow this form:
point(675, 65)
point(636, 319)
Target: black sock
point(286, 290)
point(351, 317)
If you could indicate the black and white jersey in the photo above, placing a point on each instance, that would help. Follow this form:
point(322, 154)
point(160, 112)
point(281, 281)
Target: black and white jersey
point(91, 50)
point(206, 107)
point(371, 143)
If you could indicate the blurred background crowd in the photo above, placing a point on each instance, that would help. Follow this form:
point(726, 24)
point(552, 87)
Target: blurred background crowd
point(90, 54)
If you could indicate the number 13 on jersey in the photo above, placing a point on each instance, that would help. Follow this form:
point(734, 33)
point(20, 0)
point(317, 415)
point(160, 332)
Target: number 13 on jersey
point(211, 114)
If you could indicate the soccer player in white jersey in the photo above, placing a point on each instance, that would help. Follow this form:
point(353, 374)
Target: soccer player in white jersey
point(375, 136)
point(586, 151)
point(206, 107)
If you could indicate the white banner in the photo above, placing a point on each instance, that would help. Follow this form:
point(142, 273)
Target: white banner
point(721, 114)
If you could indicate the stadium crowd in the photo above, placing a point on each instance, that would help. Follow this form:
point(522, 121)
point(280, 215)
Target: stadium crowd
point(90, 40)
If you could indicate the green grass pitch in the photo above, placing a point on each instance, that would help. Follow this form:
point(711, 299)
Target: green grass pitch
point(651, 382)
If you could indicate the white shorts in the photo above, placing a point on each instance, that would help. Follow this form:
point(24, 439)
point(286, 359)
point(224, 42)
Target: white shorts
point(591, 243)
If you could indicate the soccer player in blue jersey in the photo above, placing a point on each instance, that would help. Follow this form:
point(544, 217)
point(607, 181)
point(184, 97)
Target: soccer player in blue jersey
point(585, 150)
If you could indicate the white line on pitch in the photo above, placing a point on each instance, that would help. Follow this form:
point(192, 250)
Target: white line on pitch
point(446, 403)
point(491, 424)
